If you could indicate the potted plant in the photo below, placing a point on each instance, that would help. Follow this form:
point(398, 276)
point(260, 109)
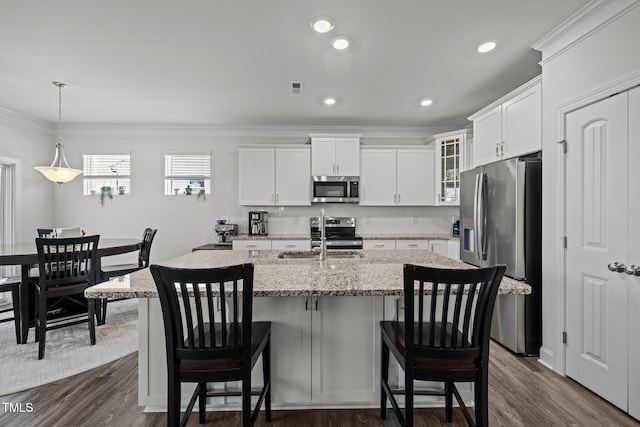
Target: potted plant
point(106, 192)
point(188, 190)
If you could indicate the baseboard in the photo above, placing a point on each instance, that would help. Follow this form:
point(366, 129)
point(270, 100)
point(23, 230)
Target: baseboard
point(546, 358)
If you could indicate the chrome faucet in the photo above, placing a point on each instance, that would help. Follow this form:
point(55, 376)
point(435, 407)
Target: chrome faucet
point(323, 237)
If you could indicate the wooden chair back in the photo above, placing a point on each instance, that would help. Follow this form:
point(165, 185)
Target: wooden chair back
point(64, 261)
point(455, 324)
point(193, 331)
point(145, 251)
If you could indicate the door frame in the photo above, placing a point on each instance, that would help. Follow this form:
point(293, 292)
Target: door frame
point(557, 359)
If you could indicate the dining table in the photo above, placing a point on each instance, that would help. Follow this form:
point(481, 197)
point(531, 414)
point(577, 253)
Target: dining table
point(25, 255)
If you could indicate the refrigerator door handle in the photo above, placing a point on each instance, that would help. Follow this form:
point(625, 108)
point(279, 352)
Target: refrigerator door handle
point(476, 242)
point(480, 216)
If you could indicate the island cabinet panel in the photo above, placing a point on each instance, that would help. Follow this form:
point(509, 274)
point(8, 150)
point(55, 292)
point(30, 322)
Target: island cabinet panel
point(346, 350)
point(290, 347)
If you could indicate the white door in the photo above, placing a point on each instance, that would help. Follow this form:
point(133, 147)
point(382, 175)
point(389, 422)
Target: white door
point(345, 350)
point(415, 177)
point(597, 227)
point(323, 156)
point(293, 177)
point(487, 135)
point(290, 347)
point(256, 182)
point(377, 177)
point(634, 252)
point(348, 156)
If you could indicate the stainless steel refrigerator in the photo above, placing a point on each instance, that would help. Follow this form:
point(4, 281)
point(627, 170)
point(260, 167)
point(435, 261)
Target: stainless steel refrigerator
point(501, 223)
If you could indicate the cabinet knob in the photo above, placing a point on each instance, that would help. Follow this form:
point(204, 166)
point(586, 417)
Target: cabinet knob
point(497, 148)
point(617, 267)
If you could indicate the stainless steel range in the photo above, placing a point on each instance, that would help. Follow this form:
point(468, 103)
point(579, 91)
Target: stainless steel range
point(340, 233)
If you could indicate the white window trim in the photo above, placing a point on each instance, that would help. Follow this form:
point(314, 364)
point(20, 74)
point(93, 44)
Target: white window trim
point(14, 227)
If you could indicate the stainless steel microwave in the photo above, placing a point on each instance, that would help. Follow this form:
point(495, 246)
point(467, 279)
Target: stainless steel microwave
point(335, 189)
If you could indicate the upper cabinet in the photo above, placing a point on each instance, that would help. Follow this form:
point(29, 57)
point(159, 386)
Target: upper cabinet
point(511, 126)
point(451, 150)
point(274, 176)
point(397, 177)
point(335, 155)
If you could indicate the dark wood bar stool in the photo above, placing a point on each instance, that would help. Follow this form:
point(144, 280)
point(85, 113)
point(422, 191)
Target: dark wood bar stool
point(203, 347)
point(112, 271)
point(449, 342)
point(12, 284)
point(67, 267)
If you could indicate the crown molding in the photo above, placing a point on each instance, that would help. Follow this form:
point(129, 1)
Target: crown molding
point(194, 131)
point(586, 21)
point(26, 122)
point(185, 131)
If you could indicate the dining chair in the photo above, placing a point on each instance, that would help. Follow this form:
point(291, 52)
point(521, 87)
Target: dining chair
point(448, 343)
point(12, 284)
point(112, 271)
point(67, 268)
point(210, 337)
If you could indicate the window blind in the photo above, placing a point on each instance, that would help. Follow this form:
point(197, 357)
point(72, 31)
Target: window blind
point(188, 173)
point(107, 170)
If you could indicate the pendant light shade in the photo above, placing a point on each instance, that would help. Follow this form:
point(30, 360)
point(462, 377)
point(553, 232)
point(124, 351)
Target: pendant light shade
point(59, 171)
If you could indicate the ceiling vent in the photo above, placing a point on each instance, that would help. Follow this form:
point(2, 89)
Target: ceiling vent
point(295, 87)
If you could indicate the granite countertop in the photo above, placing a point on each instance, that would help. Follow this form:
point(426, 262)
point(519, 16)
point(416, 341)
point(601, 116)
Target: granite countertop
point(378, 272)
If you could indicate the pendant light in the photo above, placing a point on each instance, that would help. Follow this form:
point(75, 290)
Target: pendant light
point(59, 171)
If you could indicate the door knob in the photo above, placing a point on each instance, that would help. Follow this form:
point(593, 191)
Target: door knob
point(633, 270)
point(617, 267)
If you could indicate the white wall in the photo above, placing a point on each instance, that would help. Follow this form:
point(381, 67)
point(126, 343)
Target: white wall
point(35, 193)
point(609, 54)
point(183, 222)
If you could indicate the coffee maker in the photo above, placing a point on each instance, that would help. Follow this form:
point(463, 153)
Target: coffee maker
point(258, 223)
point(225, 233)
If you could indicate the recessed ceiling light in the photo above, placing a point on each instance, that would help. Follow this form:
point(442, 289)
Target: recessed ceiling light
point(486, 47)
point(322, 25)
point(340, 43)
point(426, 102)
point(329, 100)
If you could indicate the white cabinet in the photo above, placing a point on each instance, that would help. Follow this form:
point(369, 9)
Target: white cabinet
point(261, 244)
point(510, 127)
point(453, 249)
point(274, 176)
point(450, 160)
point(291, 245)
point(378, 244)
point(396, 177)
point(337, 155)
point(324, 350)
point(440, 247)
point(413, 244)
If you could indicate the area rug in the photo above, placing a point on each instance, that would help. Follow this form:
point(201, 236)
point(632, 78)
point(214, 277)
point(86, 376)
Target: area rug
point(68, 351)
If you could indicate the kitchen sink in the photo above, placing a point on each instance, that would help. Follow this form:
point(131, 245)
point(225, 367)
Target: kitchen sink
point(316, 255)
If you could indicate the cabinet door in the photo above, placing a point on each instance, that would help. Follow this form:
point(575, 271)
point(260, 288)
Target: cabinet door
point(345, 348)
point(348, 156)
point(377, 177)
point(291, 245)
point(522, 123)
point(453, 249)
point(634, 255)
point(290, 321)
point(293, 177)
point(256, 181)
point(413, 244)
point(415, 177)
point(449, 162)
point(243, 245)
point(378, 244)
point(487, 136)
point(440, 247)
point(323, 156)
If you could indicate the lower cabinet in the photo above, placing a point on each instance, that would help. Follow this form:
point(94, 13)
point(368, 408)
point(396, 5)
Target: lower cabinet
point(291, 245)
point(251, 245)
point(323, 350)
point(378, 244)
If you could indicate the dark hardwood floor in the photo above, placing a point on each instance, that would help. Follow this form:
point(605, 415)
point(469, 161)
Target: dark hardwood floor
point(521, 393)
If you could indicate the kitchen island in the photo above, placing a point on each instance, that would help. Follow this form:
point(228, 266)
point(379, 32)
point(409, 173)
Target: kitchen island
point(325, 317)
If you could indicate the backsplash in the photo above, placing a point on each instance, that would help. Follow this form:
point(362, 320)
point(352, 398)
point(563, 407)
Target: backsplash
point(370, 220)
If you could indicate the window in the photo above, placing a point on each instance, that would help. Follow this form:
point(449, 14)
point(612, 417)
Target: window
point(8, 210)
point(107, 170)
point(187, 173)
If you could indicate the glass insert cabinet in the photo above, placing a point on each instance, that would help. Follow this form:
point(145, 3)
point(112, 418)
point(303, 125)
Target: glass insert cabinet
point(450, 149)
